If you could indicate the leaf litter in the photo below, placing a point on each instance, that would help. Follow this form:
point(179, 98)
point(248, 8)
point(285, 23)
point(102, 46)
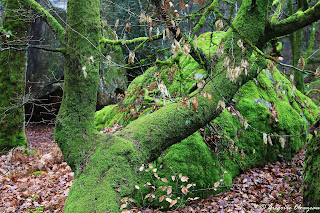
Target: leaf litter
point(38, 178)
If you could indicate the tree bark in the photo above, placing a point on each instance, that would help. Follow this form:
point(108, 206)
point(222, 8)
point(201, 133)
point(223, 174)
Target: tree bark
point(12, 76)
point(311, 183)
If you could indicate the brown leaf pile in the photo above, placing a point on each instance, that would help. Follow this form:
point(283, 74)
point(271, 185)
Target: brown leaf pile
point(39, 180)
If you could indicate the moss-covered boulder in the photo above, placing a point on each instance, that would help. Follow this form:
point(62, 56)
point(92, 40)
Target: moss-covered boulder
point(267, 120)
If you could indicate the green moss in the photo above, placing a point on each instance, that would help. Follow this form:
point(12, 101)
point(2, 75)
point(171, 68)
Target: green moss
point(37, 173)
point(108, 177)
point(311, 184)
point(104, 116)
point(12, 77)
point(179, 79)
point(191, 158)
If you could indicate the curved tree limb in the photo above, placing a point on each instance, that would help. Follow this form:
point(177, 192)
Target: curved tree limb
point(48, 18)
point(106, 41)
point(289, 25)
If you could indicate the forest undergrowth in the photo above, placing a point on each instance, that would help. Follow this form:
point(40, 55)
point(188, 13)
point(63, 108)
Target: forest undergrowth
point(37, 179)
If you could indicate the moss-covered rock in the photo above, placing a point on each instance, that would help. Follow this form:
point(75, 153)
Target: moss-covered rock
point(268, 104)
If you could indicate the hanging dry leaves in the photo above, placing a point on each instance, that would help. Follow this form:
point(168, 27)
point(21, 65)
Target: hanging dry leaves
point(302, 63)
point(271, 66)
point(226, 62)
point(292, 81)
point(186, 49)
point(173, 178)
point(143, 18)
point(242, 154)
point(219, 24)
point(173, 203)
point(156, 175)
point(169, 190)
point(161, 198)
point(184, 179)
point(116, 24)
point(184, 190)
point(128, 27)
point(195, 46)
point(265, 139)
point(220, 50)
point(175, 14)
point(208, 96)
point(221, 104)
point(131, 57)
point(149, 21)
point(150, 34)
point(282, 142)
point(123, 206)
point(84, 71)
point(270, 141)
point(163, 89)
point(124, 38)
point(182, 40)
point(317, 73)
point(194, 103)
point(240, 44)
point(164, 180)
point(245, 65)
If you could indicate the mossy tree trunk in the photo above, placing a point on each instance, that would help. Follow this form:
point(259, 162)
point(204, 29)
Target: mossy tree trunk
point(311, 184)
point(106, 165)
point(12, 75)
point(75, 124)
point(296, 46)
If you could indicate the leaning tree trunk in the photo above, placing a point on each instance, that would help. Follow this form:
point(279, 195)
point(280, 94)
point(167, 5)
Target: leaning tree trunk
point(12, 75)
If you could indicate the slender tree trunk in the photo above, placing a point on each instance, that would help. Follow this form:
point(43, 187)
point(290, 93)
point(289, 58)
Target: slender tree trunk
point(12, 76)
point(296, 48)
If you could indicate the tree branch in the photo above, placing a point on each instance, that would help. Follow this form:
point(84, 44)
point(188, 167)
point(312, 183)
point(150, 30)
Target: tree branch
point(128, 42)
point(196, 54)
point(289, 25)
point(48, 18)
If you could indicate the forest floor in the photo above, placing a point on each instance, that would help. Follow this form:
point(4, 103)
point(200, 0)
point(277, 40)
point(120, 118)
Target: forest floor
point(39, 181)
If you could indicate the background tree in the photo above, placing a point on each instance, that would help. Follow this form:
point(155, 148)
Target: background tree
point(14, 36)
